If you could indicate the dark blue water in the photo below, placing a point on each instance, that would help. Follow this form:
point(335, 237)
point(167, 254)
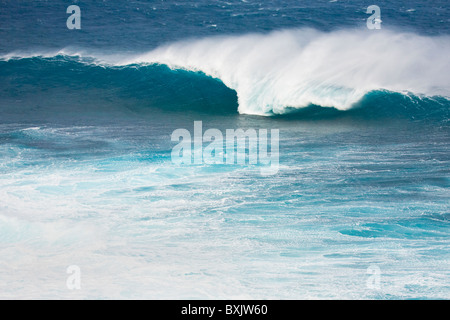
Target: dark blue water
point(132, 25)
point(358, 208)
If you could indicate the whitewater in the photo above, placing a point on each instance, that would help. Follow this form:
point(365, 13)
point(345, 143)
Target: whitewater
point(296, 68)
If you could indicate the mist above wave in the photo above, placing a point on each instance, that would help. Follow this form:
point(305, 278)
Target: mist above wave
point(296, 68)
point(291, 69)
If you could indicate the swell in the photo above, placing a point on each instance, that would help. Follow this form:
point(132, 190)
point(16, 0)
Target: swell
point(73, 84)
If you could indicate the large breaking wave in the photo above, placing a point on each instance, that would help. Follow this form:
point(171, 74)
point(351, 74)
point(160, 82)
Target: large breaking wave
point(296, 68)
point(273, 73)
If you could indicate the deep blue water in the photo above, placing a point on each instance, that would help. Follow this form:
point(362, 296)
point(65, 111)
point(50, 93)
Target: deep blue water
point(87, 178)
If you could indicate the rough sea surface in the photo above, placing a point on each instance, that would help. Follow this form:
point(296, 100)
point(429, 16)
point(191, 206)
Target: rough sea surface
point(360, 205)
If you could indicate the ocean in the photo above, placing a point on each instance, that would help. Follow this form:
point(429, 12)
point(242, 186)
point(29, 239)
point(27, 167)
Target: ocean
point(96, 201)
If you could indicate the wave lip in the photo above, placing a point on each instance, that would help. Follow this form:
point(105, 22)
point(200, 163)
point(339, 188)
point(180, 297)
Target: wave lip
point(275, 72)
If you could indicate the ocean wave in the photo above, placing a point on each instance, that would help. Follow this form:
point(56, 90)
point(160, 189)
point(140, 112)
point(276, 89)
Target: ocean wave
point(270, 74)
point(297, 68)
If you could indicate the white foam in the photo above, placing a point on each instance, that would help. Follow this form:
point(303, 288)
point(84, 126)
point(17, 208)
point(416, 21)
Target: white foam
point(296, 68)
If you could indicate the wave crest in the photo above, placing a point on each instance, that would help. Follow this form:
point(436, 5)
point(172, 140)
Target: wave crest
point(276, 72)
point(273, 73)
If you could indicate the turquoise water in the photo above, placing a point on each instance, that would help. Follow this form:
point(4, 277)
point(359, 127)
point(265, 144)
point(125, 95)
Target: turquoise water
point(87, 179)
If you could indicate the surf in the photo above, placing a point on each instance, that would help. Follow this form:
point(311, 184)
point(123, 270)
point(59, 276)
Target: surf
point(269, 74)
point(297, 68)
